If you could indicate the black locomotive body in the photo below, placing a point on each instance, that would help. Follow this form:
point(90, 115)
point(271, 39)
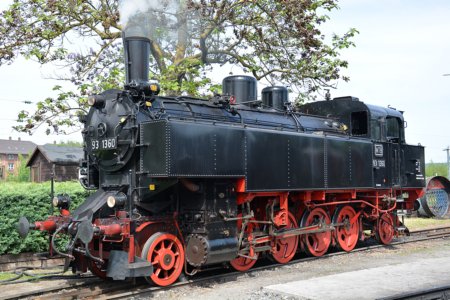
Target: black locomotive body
point(185, 183)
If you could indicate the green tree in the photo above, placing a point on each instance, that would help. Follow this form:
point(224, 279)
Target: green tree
point(70, 144)
point(277, 40)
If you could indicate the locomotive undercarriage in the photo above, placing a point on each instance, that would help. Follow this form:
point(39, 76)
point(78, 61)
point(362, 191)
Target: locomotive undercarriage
point(281, 224)
point(217, 222)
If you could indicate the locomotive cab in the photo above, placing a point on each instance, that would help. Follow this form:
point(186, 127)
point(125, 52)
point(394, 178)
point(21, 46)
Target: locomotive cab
point(364, 120)
point(395, 163)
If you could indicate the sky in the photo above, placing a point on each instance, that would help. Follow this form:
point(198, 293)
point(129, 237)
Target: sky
point(401, 55)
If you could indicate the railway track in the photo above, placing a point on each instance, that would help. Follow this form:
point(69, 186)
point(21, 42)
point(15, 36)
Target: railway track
point(10, 262)
point(93, 287)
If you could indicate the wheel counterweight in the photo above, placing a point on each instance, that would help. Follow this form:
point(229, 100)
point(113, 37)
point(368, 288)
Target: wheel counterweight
point(385, 229)
point(346, 235)
point(242, 263)
point(316, 244)
point(285, 248)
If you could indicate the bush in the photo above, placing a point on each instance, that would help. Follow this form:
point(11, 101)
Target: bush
point(436, 169)
point(31, 200)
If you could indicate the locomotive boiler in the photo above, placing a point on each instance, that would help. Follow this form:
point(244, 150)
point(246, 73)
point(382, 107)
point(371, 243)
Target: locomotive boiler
point(182, 184)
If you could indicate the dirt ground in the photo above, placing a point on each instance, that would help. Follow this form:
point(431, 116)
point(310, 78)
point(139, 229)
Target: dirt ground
point(251, 286)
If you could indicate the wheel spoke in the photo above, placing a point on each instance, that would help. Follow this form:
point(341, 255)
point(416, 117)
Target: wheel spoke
point(285, 250)
point(155, 262)
point(162, 246)
point(170, 245)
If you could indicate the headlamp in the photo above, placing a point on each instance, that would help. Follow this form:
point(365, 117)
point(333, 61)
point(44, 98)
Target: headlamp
point(117, 200)
point(96, 101)
point(61, 201)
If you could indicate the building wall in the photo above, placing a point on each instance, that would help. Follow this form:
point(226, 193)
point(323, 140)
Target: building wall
point(41, 170)
point(5, 161)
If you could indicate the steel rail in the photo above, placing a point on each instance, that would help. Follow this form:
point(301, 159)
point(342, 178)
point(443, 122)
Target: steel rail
point(116, 291)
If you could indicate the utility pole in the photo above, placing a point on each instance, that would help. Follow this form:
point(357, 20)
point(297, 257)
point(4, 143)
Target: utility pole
point(448, 161)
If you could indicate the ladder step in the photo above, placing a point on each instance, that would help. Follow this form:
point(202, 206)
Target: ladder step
point(402, 212)
point(401, 228)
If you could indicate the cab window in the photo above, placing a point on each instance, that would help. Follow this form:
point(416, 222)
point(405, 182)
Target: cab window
point(393, 129)
point(359, 123)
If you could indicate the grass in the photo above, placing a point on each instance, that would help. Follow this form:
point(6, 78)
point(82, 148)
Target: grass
point(4, 276)
point(425, 223)
point(36, 274)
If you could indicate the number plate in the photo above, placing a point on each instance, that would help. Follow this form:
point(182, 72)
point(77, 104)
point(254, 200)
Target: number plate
point(103, 144)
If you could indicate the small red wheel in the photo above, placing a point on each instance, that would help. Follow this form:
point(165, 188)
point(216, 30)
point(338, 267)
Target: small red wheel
point(316, 244)
point(241, 263)
point(385, 229)
point(166, 253)
point(285, 248)
point(346, 235)
point(97, 268)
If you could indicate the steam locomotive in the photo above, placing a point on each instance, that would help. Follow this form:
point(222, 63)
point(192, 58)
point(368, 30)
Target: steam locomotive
point(182, 184)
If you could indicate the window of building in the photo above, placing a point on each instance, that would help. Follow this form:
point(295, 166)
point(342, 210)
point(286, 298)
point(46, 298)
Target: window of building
point(11, 166)
point(11, 157)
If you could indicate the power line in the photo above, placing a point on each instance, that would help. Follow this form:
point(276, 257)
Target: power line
point(13, 100)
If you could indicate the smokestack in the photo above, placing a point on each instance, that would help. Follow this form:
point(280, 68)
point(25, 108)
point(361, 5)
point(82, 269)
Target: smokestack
point(137, 53)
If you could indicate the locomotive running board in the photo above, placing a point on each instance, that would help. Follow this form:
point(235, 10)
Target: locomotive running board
point(119, 268)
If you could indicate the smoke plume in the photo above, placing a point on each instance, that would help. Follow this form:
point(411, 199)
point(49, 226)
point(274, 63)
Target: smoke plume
point(130, 9)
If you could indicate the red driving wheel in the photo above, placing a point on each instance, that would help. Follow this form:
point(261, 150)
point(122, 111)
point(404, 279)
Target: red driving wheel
point(166, 254)
point(385, 229)
point(285, 248)
point(316, 244)
point(245, 263)
point(346, 235)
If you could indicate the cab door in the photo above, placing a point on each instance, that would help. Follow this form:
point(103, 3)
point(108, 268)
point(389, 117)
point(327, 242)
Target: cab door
point(395, 139)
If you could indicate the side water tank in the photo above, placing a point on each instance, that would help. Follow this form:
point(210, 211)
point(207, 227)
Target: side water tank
point(242, 88)
point(275, 97)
